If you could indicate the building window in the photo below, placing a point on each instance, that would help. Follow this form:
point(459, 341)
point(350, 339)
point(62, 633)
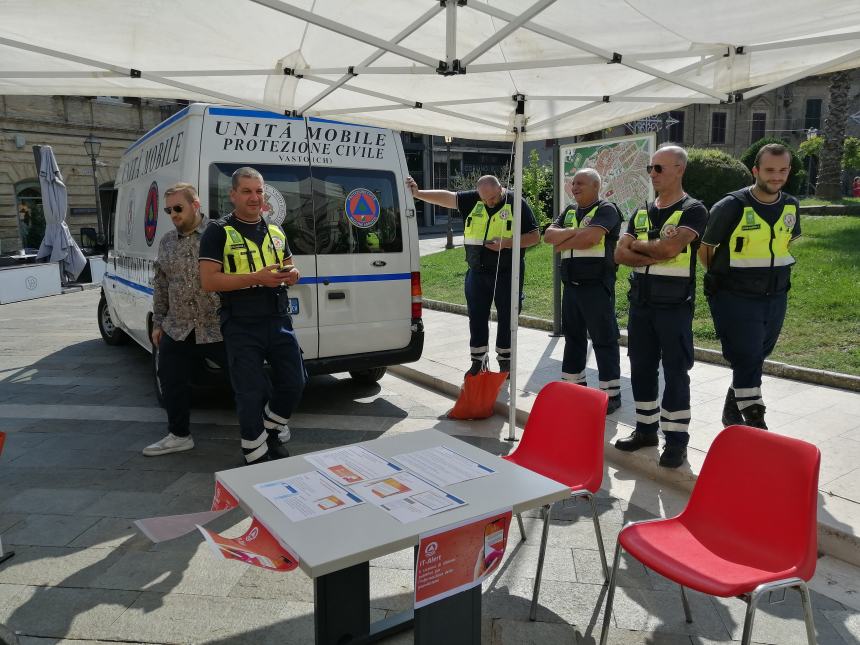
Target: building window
point(757, 127)
point(31, 216)
point(676, 130)
point(718, 127)
point(813, 114)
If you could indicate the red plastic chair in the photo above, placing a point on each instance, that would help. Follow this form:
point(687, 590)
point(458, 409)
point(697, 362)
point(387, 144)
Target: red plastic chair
point(748, 529)
point(563, 440)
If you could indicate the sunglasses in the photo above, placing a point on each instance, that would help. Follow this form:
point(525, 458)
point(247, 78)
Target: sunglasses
point(176, 209)
point(658, 168)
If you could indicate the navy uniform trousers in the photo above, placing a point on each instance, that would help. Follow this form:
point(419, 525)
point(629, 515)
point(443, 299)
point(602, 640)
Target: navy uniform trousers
point(664, 334)
point(263, 407)
point(748, 328)
point(590, 308)
point(479, 300)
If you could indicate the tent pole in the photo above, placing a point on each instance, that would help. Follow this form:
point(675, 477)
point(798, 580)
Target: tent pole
point(519, 126)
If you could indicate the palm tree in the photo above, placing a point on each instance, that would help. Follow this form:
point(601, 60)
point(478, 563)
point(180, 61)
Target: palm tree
point(830, 171)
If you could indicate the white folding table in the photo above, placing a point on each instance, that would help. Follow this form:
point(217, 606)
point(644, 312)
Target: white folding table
point(335, 549)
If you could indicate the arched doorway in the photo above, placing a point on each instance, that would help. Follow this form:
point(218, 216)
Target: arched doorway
point(31, 216)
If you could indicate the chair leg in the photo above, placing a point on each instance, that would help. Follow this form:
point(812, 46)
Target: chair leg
point(547, 510)
point(599, 536)
point(522, 528)
point(807, 612)
point(749, 619)
point(687, 615)
point(610, 594)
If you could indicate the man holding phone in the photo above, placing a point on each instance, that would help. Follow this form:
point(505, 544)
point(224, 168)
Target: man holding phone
point(249, 263)
point(488, 236)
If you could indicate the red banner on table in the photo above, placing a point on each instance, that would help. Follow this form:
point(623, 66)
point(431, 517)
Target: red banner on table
point(256, 547)
point(170, 527)
point(460, 556)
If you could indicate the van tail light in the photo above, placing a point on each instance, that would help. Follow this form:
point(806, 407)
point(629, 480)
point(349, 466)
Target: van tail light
point(416, 295)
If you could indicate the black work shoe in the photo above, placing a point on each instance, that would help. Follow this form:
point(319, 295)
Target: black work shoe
point(731, 415)
point(277, 450)
point(614, 404)
point(636, 440)
point(673, 455)
point(754, 416)
point(475, 369)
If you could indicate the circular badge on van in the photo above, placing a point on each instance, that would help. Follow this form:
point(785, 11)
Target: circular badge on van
point(129, 218)
point(362, 208)
point(275, 206)
point(150, 221)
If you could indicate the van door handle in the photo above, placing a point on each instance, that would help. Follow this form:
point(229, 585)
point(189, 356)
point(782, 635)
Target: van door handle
point(379, 263)
point(336, 295)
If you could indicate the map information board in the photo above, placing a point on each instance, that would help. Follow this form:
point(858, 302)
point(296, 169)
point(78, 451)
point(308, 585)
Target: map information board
point(621, 163)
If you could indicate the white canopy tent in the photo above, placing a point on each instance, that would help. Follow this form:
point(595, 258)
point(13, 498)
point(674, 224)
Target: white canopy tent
point(477, 69)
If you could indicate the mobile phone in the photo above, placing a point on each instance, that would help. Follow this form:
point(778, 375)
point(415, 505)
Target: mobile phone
point(286, 268)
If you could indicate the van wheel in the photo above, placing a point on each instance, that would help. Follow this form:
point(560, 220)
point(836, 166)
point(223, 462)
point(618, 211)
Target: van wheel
point(111, 334)
point(155, 380)
point(368, 376)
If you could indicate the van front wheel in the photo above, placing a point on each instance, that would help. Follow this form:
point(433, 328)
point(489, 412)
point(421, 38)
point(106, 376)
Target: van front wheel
point(111, 334)
point(368, 376)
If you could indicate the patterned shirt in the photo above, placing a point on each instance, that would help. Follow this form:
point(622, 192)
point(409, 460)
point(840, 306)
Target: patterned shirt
point(179, 304)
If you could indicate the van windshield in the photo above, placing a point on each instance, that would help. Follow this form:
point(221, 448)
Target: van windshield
point(339, 211)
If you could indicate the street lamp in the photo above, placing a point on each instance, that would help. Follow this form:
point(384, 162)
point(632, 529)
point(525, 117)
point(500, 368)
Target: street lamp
point(93, 146)
point(449, 244)
point(811, 133)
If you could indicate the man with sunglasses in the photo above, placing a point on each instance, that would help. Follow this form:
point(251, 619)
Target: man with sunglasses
point(249, 263)
point(585, 235)
point(660, 244)
point(488, 236)
point(745, 249)
point(185, 325)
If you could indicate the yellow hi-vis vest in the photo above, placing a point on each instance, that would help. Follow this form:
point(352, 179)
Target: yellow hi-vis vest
point(242, 255)
point(678, 267)
point(596, 251)
point(480, 227)
point(756, 244)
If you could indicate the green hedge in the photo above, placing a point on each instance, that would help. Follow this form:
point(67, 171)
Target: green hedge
point(712, 173)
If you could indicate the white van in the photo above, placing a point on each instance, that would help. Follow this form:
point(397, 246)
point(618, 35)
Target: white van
point(338, 192)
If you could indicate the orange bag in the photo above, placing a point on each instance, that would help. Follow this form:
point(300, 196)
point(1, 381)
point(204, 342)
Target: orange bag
point(478, 395)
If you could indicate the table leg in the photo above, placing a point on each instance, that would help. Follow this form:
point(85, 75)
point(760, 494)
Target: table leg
point(455, 620)
point(342, 605)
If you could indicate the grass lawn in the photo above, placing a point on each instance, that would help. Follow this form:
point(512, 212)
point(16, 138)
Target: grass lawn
point(822, 328)
point(814, 201)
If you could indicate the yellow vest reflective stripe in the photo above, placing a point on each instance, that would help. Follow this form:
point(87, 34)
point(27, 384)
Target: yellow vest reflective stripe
point(596, 251)
point(756, 244)
point(480, 227)
point(237, 249)
point(677, 267)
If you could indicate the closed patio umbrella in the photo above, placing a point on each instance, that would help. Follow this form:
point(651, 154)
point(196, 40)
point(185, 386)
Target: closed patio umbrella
point(58, 245)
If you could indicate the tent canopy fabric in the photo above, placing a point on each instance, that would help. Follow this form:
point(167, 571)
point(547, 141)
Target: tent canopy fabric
point(447, 68)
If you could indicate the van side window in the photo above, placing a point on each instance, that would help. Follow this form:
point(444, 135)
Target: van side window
point(288, 200)
point(356, 211)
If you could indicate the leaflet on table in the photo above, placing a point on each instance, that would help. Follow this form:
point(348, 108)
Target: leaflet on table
point(407, 497)
point(442, 466)
point(307, 495)
point(352, 465)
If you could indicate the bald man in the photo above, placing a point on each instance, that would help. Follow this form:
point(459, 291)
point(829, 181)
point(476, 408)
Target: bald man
point(488, 234)
point(585, 235)
point(660, 244)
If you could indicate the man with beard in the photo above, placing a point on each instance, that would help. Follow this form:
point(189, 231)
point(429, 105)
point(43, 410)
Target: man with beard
point(745, 250)
point(185, 325)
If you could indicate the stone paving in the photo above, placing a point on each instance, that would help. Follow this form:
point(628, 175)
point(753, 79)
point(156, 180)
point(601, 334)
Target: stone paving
point(72, 480)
